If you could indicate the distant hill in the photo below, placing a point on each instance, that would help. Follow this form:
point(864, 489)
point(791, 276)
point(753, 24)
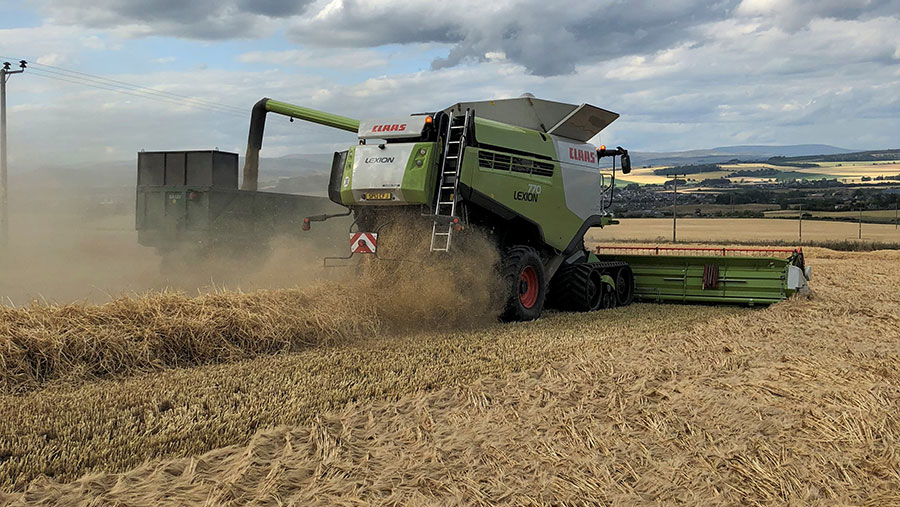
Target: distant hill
point(296, 174)
point(746, 153)
point(856, 156)
point(294, 165)
point(794, 150)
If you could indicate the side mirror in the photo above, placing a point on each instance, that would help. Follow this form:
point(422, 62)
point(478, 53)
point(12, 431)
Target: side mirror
point(626, 163)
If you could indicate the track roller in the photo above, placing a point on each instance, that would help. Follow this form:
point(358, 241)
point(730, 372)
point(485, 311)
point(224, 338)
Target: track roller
point(591, 286)
point(624, 286)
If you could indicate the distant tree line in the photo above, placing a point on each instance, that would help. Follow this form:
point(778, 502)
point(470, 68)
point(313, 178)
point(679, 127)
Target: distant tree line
point(716, 182)
point(859, 156)
point(783, 161)
point(671, 183)
point(688, 169)
point(765, 172)
point(870, 198)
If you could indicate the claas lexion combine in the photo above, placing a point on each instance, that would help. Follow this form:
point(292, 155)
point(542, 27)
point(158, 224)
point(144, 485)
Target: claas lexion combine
point(521, 171)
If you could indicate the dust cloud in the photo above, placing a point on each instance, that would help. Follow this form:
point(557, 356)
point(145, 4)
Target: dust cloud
point(80, 246)
point(63, 249)
point(413, 289)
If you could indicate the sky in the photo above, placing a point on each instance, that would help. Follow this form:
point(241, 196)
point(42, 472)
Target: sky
point(683, 74)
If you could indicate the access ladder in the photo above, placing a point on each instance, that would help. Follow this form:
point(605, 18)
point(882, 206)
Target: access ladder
point(448, 183)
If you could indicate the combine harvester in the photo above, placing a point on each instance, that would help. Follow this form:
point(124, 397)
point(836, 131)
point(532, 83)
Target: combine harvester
point(522, 171)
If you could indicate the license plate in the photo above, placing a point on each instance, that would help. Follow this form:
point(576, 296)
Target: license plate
point(377, 196)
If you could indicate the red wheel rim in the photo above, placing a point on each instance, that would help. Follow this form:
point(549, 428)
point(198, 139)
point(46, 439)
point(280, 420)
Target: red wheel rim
point(528, 286)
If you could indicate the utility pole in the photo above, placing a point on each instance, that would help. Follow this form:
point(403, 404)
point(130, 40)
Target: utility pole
point(860, 223)
point(675, 206)
point(801, 223)
point(895, 213)
point(4, 197)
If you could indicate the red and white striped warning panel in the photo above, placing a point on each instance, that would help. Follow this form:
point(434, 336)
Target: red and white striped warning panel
point(363, 242)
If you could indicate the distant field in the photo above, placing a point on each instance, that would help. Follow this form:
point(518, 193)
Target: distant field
point(851, 172)
point(741, 229)
point(860, 164)
point(643, 176)
point(707, 209)
point(881, 215)
point(725, 208)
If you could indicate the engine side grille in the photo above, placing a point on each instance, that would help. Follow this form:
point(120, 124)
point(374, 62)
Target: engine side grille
point(501, 162)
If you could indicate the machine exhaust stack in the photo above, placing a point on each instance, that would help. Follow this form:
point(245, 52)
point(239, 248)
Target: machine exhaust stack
point(258, 126)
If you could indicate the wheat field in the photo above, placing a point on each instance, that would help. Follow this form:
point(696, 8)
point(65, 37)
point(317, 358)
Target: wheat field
point(848, 172)
point(795, 403)
point(882, 215)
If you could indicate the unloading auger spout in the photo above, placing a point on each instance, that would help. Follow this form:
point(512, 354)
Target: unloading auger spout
point(258, 126)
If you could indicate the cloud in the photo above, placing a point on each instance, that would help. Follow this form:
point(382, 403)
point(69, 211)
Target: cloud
point(94, 42)
point(50, 44)
point(547, 38)
point(49, 59)
point(689, 97)
point(794, 15)
point(318, 58)
point(194, 19)
point(683, 74)
point(553, 38)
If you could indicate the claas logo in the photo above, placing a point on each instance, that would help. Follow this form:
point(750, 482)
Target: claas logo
point(389, 127)
point(582, 155)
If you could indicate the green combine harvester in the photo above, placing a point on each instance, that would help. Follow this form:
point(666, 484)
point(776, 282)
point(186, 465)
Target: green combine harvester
point(522, 171)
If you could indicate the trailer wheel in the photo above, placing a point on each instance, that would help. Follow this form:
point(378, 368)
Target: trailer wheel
point(526, 284)
point(624, 286)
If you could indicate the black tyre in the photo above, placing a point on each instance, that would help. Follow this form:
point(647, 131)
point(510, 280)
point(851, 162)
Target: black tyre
point(526, 284)
point(577, 288)
point(624, 286)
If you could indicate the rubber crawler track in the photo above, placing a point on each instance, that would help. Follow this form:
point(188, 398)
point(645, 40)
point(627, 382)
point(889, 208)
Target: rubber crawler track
point(571, 289)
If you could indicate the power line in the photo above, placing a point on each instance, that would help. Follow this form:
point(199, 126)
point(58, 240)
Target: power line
point(123, 84)
point(99, 82)
point(40, 73)
point(102, 83)
point(139, 95)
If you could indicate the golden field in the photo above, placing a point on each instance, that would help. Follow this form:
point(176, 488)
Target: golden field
point(849, 172)
point(854, 171)
point(795, 403)
point(882, 215)
point(713, 230)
